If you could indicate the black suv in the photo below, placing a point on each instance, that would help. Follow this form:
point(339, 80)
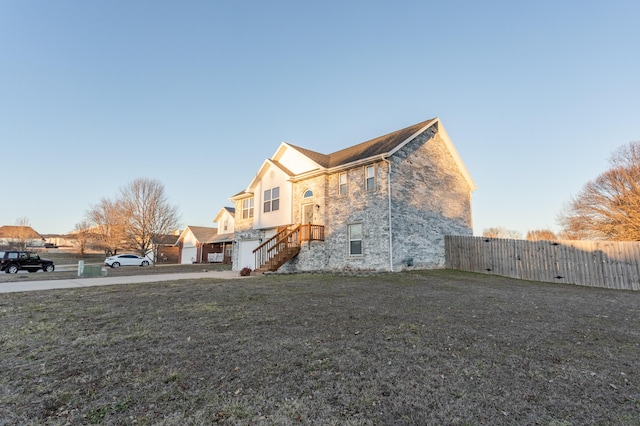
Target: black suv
point(12, 261)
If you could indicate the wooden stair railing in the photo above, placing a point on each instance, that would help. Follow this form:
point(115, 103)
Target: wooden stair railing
point(285, 245)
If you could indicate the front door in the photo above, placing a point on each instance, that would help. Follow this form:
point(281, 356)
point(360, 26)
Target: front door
point(307, 213)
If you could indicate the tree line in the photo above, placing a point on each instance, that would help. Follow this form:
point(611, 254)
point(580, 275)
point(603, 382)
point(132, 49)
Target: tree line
point(606, 208)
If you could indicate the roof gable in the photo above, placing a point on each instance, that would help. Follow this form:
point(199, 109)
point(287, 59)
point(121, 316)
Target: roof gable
point(321, 160)
point(269, 163)
point(299, 160)
point(231, 211)
point(456, 157)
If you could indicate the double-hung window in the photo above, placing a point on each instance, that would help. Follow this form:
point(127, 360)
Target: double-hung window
point(370, 178)
point(272, 199)
point(342, 184)
point(355, 239)
point(247, 208)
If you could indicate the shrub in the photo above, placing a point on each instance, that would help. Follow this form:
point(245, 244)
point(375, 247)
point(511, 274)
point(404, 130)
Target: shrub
point(245, 272)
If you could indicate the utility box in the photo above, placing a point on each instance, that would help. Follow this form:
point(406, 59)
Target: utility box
point(92, 271)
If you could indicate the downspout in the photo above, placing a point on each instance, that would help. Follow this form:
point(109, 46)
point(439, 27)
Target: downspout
point(390, 232)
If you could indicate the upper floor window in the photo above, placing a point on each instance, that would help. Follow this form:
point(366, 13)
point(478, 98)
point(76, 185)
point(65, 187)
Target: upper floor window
point(272, 199)
point(247, 208)
point(226, 224)
point(342, 184)
point(307, 194)
point(355, 239)
point(370, 178)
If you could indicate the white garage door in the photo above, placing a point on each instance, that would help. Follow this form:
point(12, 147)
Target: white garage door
point(189, 255)
point(246, 258)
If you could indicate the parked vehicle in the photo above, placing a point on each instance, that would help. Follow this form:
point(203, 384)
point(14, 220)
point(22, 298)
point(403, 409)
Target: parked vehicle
point(126, 259)
point(12, 261)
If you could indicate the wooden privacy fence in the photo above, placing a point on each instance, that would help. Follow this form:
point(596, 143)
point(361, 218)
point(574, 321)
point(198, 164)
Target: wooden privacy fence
point(607, 264)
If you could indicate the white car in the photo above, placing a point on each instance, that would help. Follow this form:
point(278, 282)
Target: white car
point(126, 260)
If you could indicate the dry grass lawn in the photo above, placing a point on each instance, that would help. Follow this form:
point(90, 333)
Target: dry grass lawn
point(432, 347)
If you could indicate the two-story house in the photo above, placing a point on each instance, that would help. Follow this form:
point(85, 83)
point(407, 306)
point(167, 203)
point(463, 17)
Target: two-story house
point(385, 205)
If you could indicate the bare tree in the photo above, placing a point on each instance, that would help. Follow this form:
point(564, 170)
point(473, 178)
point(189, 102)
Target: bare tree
point(501, 232)
point(541, 235)
point(149, 214)
point(83, 235)
point(108, 224)
point(608, 208)
point(21, 233)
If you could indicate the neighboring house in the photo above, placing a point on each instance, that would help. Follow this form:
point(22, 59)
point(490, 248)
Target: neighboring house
point(168, 252)
point(57, 240)
point(200, 244)
point(20, 237)
point(384, 205)
point(226, 226)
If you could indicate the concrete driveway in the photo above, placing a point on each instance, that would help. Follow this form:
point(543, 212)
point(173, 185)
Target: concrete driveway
point(17, 286)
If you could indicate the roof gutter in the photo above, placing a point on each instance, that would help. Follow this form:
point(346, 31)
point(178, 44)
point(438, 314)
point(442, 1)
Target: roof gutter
point(346, 166)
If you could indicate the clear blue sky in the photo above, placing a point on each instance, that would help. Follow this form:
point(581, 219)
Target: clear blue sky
point(197, 94)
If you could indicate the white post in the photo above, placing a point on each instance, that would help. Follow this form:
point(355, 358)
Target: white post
point(80, 268)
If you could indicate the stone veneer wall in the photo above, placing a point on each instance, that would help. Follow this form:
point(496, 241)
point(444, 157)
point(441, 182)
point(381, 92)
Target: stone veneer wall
point(318, 186)
point(430, 199)
point(314, 257)
point(359, 206)
point(309, 259)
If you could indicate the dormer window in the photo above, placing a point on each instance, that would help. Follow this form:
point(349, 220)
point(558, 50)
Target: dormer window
point(272, 199)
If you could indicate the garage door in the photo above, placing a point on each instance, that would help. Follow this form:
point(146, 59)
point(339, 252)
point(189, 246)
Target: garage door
point(189, 254)
point(246, 258)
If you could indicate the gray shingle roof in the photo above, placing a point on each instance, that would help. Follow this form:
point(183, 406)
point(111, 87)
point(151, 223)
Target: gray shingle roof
point(221, 238)
point(374, 147)
point(203, 233)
